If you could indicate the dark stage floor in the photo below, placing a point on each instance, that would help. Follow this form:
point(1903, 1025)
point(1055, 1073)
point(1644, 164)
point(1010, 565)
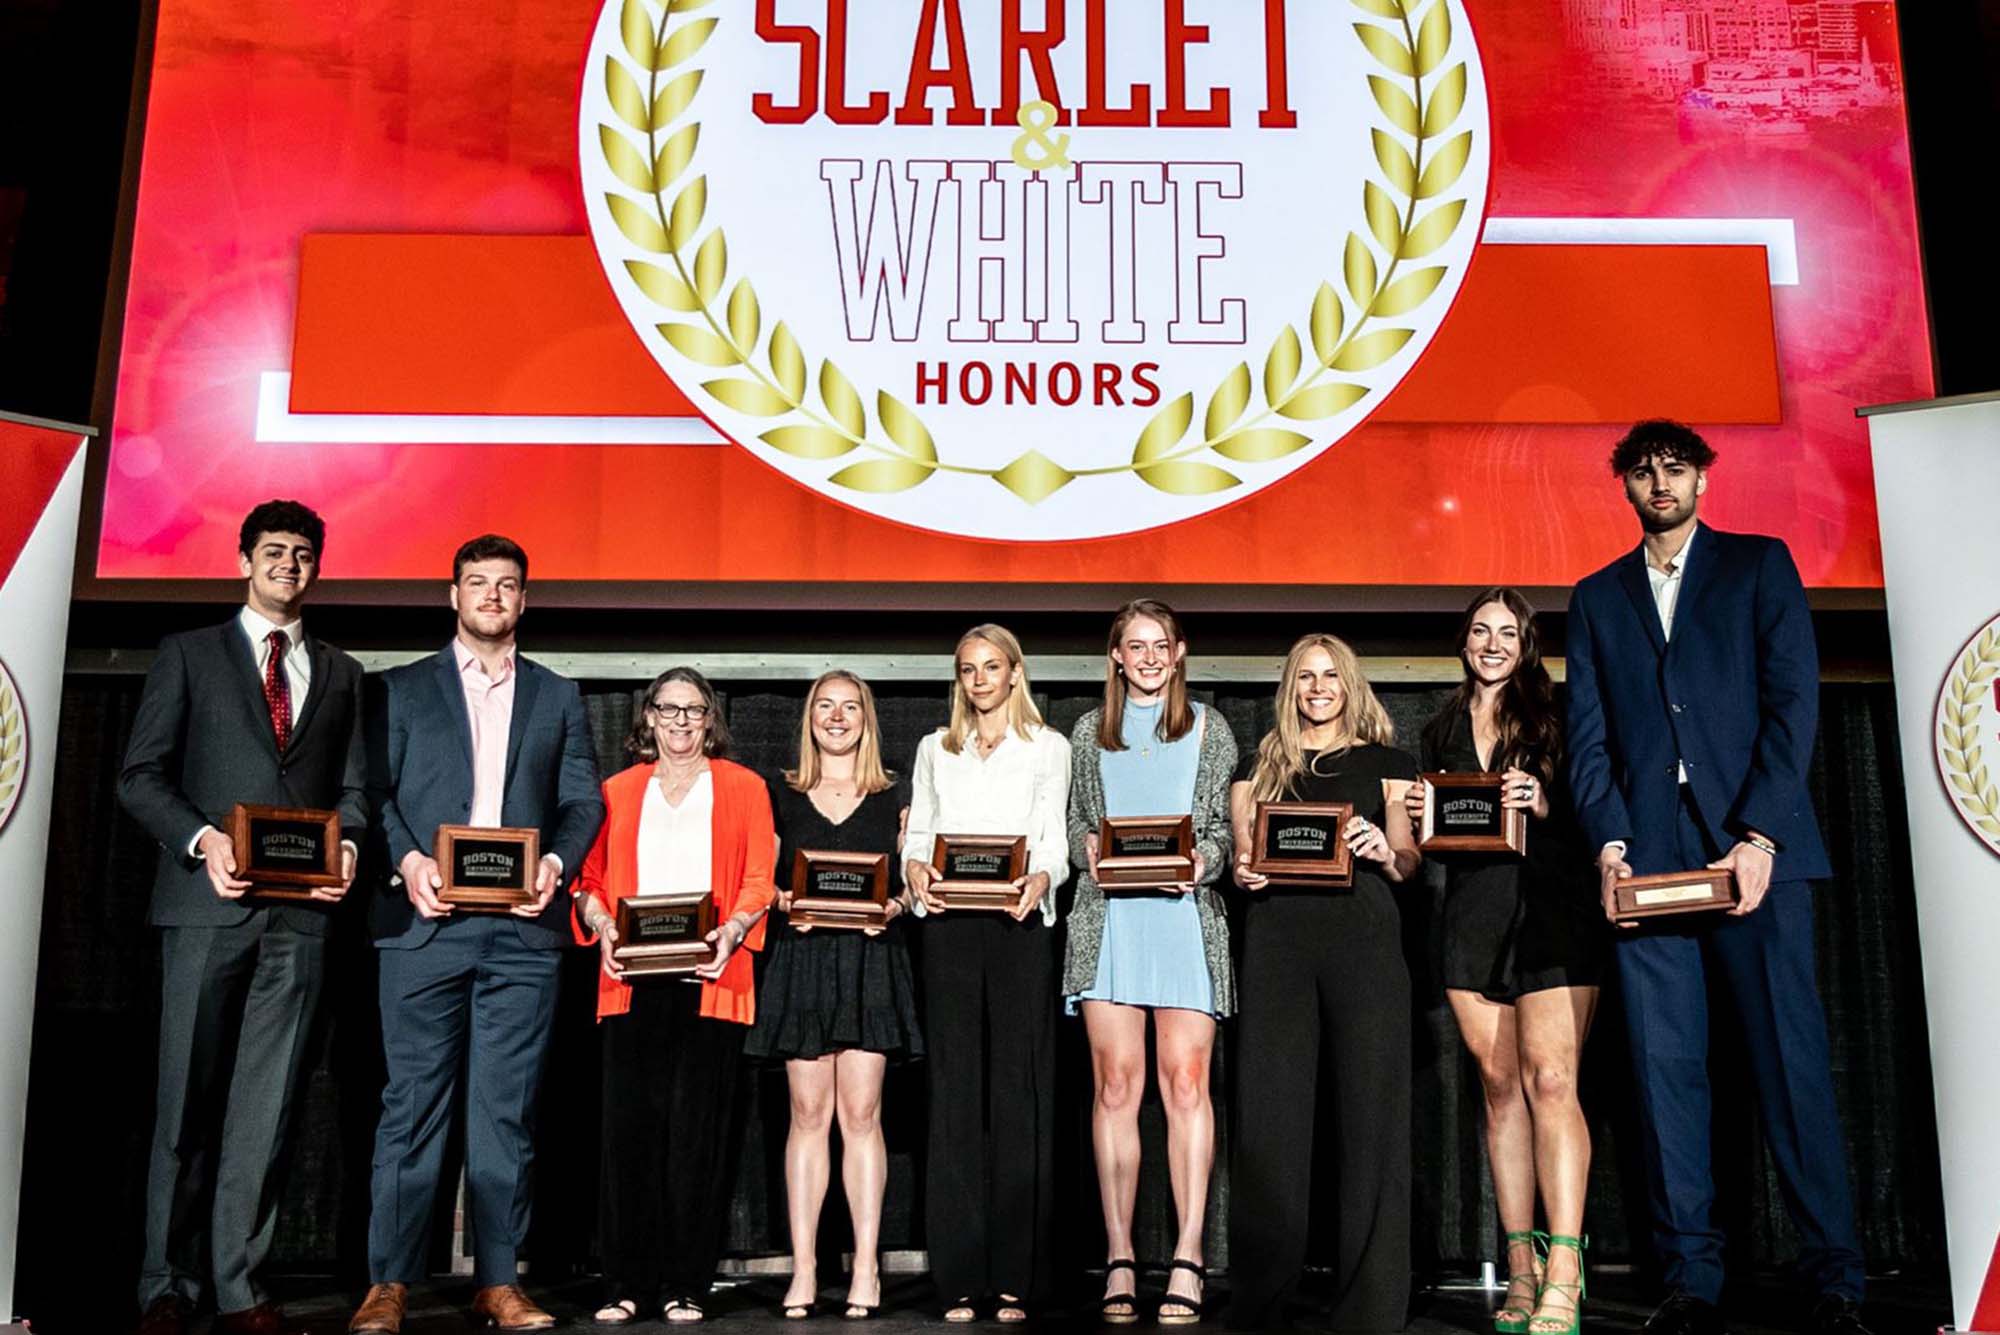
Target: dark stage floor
point(1896, 1307)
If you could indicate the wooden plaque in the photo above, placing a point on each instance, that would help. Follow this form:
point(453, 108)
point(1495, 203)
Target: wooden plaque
point(839, 889)
point(664, 934)
point(1639, 898)
point(285, 852)
point(978, 871)
point(1301, 843)
point(1465, 813)
point(487, 870)
point(1141, 853)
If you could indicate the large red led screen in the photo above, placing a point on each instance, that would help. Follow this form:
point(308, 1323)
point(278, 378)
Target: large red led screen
point(1179, 291)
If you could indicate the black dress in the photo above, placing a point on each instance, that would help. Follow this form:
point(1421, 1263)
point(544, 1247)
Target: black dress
point(836, 989)
point(1323, 1035)
point(1516, 925)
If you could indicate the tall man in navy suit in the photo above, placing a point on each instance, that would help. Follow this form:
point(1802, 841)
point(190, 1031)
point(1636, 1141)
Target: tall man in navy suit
point(1693, 700)
point(475, 735)
point(254, 710)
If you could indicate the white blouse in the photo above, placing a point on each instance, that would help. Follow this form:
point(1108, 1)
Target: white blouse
point(675, 842)
point(1022, 788)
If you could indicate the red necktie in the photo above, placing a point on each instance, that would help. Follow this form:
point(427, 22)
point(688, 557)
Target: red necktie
point(278, 689)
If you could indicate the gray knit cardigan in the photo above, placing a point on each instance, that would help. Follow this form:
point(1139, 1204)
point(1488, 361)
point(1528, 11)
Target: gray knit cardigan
point(1212, 839)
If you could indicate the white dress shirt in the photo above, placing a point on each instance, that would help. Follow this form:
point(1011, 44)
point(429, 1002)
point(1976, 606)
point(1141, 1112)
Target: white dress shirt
point(1021, 788)
point(298, 663)
point(676, 843)
point(1666, 597)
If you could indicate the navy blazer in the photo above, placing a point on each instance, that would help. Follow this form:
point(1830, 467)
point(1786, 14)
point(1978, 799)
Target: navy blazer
point(420, 766)
point(1734, 696)
point(202, 742)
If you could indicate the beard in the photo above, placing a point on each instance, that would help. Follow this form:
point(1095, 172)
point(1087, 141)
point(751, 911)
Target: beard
point(1660, 521)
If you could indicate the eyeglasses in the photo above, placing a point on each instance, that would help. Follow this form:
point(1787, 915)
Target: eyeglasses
point(692, 713)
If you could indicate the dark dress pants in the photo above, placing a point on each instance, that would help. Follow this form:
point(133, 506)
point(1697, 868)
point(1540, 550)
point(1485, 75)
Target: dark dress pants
point(670, 1097)
point(236, 1015)
point(473, 998)
point(1766, 963)
point(989, 1033)
point(1323, 1017)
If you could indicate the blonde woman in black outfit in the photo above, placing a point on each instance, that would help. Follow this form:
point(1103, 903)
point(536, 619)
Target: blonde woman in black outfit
point(1323, 1007)
point(1524, 948)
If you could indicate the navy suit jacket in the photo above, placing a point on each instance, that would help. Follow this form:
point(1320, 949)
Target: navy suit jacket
point(420, 765)
point(1734, 696)
point(202, 742)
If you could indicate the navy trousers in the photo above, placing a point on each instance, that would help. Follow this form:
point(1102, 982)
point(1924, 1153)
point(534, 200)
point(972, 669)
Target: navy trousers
point(1765, 962)
point(472, 999)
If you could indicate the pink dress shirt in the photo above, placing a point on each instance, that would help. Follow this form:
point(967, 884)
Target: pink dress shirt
point(489, 703)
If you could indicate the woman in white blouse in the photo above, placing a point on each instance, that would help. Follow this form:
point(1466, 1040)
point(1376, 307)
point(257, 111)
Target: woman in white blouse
point(989, 985)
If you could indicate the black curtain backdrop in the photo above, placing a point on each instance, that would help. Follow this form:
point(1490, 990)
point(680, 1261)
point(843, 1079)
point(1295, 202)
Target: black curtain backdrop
point(90, 1098)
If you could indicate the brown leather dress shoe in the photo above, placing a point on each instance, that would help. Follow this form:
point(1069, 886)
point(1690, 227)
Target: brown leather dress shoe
point(505, 1306)
point(263, 1319)
point(167, 1314)
point(381, 1312)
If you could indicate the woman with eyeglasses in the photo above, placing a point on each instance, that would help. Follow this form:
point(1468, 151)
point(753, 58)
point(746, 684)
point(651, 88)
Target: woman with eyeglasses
point(989, 983)
point(1158, 960)
point(1524, 950)
point(681, 820)
point(837, 1004)
point(1323, 1009)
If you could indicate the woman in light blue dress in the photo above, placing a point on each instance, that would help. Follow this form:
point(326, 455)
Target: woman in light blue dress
point(1150, 751)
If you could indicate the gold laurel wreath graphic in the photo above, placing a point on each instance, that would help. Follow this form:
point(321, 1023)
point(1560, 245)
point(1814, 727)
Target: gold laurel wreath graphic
point(1958, 732)
point(1421, 108)
point(13, 745)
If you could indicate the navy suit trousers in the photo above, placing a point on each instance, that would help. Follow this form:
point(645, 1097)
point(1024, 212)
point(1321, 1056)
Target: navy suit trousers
point(1765, 963)
point(472, 999)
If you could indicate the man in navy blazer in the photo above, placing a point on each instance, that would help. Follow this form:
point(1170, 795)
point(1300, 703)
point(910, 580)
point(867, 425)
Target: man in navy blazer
point(258, 711)
point(475, 735)
point(1693, 701)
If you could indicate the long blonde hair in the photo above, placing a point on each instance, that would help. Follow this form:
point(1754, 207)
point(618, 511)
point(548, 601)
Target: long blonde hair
point(1177, 718)
point(1281, 755)
point(1022, 716)
point(869, 775)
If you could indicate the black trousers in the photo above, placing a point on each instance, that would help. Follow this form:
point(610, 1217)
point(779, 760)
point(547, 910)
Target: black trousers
point(670, 1080)
point(989, 1028)
point(1324, 1017)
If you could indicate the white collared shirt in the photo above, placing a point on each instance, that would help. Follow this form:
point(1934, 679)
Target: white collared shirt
point(298, 663)
point(1021, 788)
point(489, 709)
point(676, 843)
point(1667, 585)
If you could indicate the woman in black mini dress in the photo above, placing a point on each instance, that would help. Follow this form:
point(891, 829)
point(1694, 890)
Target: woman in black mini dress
point(837, 1004)
point(1524, 949)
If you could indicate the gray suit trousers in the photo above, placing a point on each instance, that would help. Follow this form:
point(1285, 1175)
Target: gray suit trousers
point(236, 1016)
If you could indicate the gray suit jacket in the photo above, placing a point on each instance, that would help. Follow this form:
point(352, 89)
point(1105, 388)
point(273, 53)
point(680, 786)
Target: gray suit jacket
point(202, 742)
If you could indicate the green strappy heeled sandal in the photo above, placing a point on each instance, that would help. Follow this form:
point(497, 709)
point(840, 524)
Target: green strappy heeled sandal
point(1572, 1319)
point(1511, 1318)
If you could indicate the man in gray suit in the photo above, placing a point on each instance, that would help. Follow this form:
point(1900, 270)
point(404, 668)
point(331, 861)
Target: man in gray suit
point(475, 735)
point(257, 711)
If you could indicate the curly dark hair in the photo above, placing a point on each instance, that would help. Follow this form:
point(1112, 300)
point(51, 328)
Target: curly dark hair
point(489, 547)
point(281, 517)
point(1663, 439)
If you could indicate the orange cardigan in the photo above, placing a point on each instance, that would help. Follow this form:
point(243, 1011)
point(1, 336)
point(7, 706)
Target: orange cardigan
point(743, 850)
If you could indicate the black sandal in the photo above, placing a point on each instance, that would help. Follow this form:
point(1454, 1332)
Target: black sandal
point(1129, 1301)
point(1191, 1312)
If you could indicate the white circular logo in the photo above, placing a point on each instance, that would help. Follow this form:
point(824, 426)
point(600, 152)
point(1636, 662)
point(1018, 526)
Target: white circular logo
point(1041, 272)
point(1968, 704)
point(13, 746)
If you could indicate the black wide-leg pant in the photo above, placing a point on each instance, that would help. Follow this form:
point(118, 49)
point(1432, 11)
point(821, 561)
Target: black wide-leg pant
point(989, 1030)
point(670, 1082)
point(1323, 1016)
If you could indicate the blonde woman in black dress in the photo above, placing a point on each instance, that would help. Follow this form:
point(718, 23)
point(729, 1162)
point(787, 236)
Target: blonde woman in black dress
point(837, 1004)
point(1524, 950)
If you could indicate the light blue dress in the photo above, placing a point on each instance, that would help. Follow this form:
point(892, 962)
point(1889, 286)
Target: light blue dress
point(1152, 953)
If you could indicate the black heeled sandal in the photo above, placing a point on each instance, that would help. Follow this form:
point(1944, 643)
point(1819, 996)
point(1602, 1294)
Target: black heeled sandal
point(1191, 1308)
point(1128, 1301)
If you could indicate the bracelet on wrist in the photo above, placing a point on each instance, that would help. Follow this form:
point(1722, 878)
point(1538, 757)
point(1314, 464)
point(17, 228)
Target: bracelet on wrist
point(1760, 842)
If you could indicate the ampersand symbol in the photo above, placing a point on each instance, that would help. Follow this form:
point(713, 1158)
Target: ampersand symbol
point(1034, 151)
